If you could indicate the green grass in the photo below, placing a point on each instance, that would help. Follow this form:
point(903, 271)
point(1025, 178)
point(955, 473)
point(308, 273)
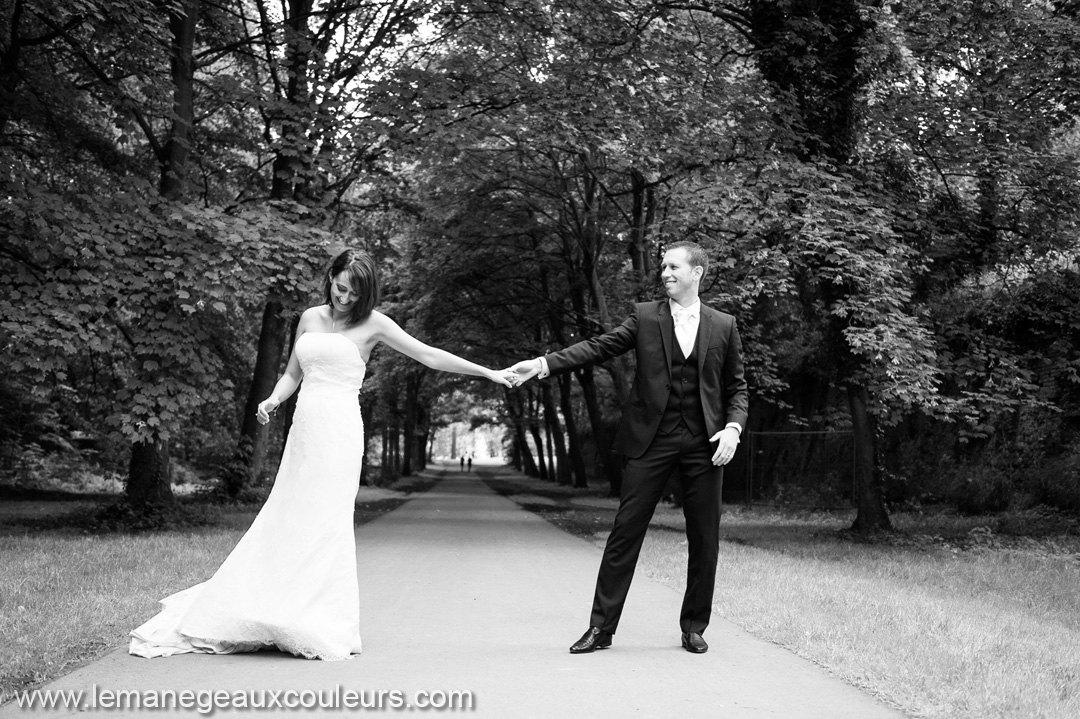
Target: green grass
point(981, 633)
point(67, 596)
point(950, 618)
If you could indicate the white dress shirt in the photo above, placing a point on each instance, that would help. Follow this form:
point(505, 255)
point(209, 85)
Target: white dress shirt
point(687, 320)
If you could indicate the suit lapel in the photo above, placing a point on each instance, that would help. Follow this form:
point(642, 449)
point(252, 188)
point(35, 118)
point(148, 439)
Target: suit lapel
point(705, 328)
point(663, 317)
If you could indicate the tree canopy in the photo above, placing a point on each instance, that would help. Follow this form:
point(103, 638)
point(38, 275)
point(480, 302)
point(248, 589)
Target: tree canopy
point(888, 193)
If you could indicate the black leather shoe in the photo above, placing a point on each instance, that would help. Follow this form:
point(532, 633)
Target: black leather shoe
point(693, 643)
point(591, 641)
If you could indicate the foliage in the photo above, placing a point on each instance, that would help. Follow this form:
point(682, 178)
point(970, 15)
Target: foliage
point(981, 489)
point(123, 280)
point(1055, 482)
point(887, 191)
point(972, 144)
point(32, 468)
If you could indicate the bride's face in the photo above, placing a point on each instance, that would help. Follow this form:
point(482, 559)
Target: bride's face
point(344, 295)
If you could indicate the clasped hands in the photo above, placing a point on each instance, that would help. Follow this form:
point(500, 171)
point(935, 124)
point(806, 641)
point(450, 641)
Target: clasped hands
point(522, 372)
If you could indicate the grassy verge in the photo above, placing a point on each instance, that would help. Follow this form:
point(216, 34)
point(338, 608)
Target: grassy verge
point(958, 617)
point(69, 596)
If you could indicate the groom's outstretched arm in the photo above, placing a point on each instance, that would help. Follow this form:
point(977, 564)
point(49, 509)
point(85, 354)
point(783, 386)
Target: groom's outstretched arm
point(591, 351)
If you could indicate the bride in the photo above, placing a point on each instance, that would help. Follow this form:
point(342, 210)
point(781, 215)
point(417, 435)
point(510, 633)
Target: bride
point(290, 583)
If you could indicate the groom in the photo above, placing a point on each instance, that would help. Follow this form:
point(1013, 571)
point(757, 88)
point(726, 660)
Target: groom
point(686, 411)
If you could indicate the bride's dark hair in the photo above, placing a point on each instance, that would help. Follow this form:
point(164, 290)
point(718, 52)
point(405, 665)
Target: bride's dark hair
point(363, 279)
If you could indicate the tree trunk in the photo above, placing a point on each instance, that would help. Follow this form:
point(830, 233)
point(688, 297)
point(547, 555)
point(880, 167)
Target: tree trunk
point(423, 431)
point(290, 403)
point(538, 442)
point(149, 472)
point(611, 466)
point(386, 450)
point(810, 52)
point(10, 77)
point(294, 153)
point(251, 450)
point(528, 462)
point(395, 439)
point(149, 475)
point(182, 64)
point(553, 467)
point(608, 458)
point(590, 252)
point(869, 499)
point(642, 215)
point(425, 441)
point(409, 448)
point(533, 417)
point(555, 435)
point(521, 444)
point(577, 461)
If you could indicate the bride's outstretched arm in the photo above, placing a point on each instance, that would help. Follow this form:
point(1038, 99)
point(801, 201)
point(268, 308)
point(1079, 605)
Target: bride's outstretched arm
point(392, 334)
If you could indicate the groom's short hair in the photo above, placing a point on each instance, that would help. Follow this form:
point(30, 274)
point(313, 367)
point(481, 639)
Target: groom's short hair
point(697, 254)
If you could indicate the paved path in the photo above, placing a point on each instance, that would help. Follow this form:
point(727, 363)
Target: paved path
point(460, 590)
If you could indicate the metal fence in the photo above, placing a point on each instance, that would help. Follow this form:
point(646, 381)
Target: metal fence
point(801, 468)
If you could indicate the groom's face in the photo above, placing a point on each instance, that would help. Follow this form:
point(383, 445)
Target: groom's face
point(679, 278)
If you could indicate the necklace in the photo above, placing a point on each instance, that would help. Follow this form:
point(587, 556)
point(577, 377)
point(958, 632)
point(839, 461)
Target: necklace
point(334, 319)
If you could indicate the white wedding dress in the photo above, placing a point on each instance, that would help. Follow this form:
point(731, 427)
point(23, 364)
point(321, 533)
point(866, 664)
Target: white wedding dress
point(290, 583)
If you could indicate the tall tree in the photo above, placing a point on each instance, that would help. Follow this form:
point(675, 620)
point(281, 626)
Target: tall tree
point(154, 276)
point(330, 49)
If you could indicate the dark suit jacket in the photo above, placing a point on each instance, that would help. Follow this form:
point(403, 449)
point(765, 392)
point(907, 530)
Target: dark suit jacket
point(649, 332)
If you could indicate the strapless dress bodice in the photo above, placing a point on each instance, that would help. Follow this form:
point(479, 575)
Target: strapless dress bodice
point(331, 359)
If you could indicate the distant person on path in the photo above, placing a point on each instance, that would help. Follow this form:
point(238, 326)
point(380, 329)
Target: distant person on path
point(462, 463)
point(687, 409)
point(470, 461)
point(291, 581)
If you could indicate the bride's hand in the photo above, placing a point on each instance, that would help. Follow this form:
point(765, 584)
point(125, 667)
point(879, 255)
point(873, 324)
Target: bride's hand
point(266, 408)
point(505, 377)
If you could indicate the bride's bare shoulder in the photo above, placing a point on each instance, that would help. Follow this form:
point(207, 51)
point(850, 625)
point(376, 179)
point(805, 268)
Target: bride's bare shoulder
point(313, 318)
point(378, 322)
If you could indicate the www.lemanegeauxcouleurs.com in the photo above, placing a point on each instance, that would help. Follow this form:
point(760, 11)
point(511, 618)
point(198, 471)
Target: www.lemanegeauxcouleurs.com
point(207, 701)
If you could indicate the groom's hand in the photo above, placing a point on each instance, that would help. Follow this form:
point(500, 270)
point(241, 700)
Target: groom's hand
point(728, 440)
point(526, 369)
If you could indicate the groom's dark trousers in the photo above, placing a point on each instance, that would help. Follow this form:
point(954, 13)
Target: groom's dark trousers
point(676, 403)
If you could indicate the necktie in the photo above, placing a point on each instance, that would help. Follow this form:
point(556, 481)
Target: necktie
point(684, 330)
